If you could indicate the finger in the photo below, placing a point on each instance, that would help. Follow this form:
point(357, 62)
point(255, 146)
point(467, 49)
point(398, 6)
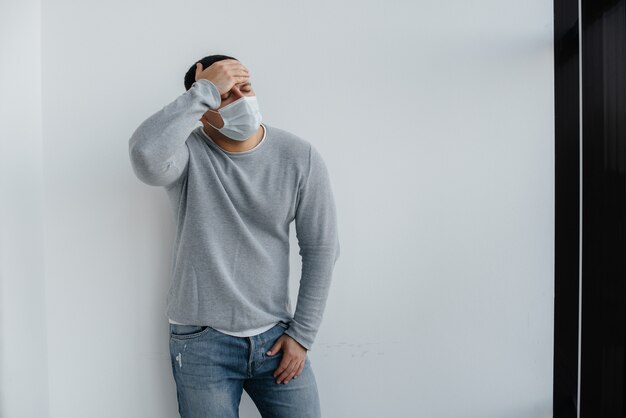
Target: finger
point(286, 378)
point(198, 69)
point(237, 64)
point(290, 374)
point(299, 372)
point(234, 65)
point(285, 364)
point(236, 68)
point(241, 80)
point(287, 374)
point(241, 75)
point(275, 348)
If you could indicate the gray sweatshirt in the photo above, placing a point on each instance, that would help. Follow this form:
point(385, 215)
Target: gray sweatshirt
point(230, 256)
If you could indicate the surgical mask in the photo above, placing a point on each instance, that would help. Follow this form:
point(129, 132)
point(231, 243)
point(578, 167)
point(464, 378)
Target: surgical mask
point(241, 118)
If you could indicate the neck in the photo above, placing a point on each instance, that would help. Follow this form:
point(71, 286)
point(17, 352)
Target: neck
point(233, 145)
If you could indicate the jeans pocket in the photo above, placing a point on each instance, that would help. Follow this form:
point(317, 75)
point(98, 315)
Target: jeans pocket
point(185, 332)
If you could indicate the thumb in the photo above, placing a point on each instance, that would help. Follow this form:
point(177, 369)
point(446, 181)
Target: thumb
point(198, 69)
point(275, 348)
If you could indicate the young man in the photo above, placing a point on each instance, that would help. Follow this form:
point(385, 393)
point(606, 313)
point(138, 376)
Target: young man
point(235, 185)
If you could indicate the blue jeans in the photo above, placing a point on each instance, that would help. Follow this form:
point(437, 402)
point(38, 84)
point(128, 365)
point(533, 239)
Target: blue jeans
point(212, 368)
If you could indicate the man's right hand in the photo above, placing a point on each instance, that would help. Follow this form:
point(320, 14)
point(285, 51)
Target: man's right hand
point(224, 74)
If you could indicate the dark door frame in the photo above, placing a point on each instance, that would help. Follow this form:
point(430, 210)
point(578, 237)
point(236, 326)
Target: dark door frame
point(590, 262)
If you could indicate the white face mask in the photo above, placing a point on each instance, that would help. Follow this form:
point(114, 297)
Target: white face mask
point(241, 118)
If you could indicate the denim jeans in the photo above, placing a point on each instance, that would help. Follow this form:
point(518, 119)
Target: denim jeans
point(212, 368)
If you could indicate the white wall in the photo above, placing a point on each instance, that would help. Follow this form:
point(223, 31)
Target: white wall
point(436, 122)
point(23, 327)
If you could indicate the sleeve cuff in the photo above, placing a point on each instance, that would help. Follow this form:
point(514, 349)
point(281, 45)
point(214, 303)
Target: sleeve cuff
point(209, 91)
point(301, 339)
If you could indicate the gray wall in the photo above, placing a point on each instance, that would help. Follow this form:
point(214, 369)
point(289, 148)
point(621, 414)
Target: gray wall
point(436, 123)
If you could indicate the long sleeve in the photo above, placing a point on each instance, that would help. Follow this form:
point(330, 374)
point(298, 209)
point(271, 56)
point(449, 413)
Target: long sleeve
point(318, 239)
point(157, 149)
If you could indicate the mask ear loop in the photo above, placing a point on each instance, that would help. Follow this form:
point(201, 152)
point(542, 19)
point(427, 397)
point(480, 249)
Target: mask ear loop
point(243, 98)
point(207, 121)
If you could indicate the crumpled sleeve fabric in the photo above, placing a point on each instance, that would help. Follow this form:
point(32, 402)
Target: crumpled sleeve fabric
point(158, 150)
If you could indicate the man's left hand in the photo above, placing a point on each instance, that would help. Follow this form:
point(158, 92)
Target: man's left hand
point(292, 363)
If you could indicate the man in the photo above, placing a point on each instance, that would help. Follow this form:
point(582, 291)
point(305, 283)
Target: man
point(235, 185)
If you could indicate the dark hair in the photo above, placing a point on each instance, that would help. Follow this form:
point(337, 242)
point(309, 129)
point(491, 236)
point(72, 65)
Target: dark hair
point(190, 77)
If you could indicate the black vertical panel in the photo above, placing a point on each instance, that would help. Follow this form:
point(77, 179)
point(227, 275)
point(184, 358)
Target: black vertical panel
point(604, 211)
point(567, 202)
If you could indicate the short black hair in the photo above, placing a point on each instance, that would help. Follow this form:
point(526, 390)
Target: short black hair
point(190, 77)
